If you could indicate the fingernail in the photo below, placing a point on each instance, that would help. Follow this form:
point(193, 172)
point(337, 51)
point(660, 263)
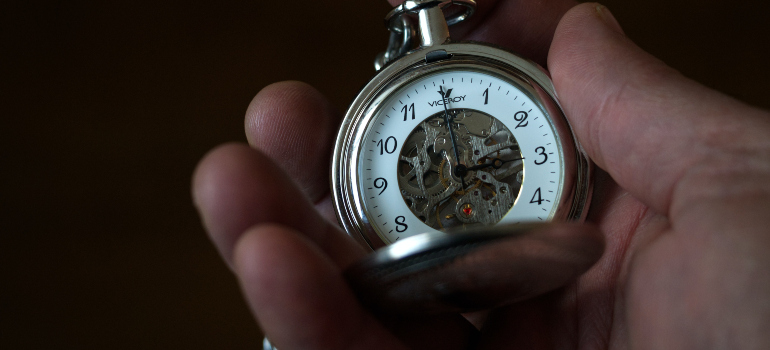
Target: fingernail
point(606, 16)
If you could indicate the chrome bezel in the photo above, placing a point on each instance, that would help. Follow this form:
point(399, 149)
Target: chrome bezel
point(575, 193)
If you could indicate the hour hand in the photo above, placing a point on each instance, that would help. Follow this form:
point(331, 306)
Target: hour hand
point(496, 163)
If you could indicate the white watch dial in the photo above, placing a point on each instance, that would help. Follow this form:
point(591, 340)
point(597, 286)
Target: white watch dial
point(500, 162)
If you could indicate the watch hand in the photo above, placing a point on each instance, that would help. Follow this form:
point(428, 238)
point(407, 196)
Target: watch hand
point(497, 163)
point(460, 169)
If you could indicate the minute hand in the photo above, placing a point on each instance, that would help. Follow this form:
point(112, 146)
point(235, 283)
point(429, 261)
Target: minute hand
point(459, 168)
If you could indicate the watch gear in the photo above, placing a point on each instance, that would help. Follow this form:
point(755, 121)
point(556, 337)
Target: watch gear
point(489, 156)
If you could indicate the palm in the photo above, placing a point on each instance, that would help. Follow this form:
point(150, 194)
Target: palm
point(669, 277)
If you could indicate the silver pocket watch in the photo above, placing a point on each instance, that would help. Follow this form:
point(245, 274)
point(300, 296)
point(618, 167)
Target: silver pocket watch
point(448, 139)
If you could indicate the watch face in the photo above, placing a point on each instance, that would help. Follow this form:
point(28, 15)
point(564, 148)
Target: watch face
point(474, 139)
point(457, 148)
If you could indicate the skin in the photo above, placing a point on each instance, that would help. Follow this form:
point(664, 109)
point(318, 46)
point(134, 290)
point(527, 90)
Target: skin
point(681, 199)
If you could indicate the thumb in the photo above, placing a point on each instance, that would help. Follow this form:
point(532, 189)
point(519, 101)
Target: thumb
point(638, 119)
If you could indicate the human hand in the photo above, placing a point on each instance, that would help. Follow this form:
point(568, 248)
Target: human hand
point(683, 207)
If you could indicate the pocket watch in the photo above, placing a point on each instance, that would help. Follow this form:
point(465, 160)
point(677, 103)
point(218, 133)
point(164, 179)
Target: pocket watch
point(453, 135)
point(448, 139)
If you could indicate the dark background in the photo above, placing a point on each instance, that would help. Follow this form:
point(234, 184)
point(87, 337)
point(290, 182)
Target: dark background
point(106, 106)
